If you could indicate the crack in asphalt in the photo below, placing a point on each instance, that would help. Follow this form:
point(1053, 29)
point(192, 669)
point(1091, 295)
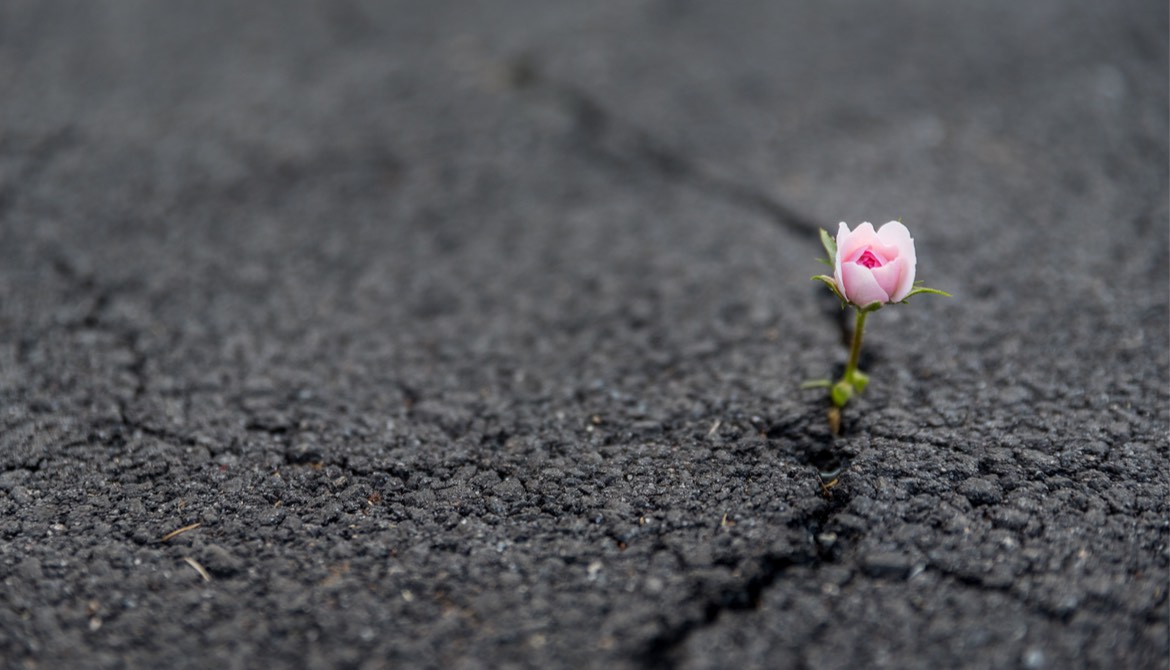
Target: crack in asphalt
point(622, 144)
point(662, 651)
point(101, 295)
point(608, 139)
point(1047, 611)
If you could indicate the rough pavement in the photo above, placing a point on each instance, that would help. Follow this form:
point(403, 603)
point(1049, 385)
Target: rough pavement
point(471, 335)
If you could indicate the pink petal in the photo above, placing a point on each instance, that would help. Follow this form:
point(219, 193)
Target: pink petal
point(895, 234)
point(851, 245)
point(842, 235)
point(905, 282)
point(889, 275)
point(859, 285)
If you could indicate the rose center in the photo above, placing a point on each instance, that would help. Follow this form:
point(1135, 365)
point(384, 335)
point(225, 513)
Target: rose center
point(869, 260)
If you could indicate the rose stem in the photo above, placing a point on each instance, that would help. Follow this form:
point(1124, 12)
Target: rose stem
point(855, 350)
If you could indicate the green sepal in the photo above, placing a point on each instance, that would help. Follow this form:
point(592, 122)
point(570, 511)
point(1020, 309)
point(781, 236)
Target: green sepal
point(841, 392)
point(832, 284)
point(830, 246)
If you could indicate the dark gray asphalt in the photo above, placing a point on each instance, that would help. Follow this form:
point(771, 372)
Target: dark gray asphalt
point(471, 335)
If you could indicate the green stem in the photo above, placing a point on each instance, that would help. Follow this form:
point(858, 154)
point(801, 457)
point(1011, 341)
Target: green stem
point(853, 381)
point(855, 350)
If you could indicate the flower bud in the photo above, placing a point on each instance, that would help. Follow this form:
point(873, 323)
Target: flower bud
point(873, 268)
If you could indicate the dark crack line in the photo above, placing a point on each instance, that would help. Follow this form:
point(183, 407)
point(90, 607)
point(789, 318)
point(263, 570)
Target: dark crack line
point(662, 651)
point(607, 139)
point(86, 284)
point(1052, 613)
point(618, 143)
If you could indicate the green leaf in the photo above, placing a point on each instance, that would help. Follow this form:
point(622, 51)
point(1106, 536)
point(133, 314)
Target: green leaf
point(832, 284)
point(841, 392)
point(923, 289)
point(830, 245)
point(824, 262)
point(860, 380)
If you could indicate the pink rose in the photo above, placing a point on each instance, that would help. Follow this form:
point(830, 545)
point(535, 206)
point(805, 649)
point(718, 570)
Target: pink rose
point(874, 266)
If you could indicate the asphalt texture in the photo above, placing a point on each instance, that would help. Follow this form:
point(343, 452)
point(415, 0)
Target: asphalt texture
point(471, 335)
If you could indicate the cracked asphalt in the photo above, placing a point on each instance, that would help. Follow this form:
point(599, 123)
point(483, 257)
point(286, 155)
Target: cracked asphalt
point(388, 334)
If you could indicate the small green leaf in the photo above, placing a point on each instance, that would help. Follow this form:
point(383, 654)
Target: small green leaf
point(830, 245)
point(831, 283)
point(860, 380)
point(824, 262)
point(817, 384)
point(841, 392)
point(923, 289)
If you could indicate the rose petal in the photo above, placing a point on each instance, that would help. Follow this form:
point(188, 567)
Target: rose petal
point(853, 244)
point(895, 234)
point(860, 287)
point(883, 254)
point(905, 282)
point(842, 236)
point(889, 275)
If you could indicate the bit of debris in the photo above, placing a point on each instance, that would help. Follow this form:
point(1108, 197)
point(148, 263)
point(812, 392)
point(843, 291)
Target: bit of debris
point(175, 533)
point(198, 568)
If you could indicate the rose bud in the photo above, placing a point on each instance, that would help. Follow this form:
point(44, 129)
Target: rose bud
point(873, 268)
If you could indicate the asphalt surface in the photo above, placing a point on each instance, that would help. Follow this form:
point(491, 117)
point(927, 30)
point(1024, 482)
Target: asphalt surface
point(472, 335)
